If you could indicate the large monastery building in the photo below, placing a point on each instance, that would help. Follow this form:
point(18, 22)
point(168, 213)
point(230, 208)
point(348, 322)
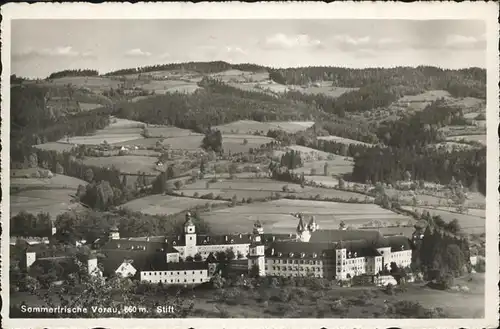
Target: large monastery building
point(189, 258)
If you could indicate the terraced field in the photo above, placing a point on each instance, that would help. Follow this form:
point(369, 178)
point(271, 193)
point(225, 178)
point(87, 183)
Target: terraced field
point(325, 88)
point(474, 138)
point(276, 216)
point(242, 143)
point(473, 222)
point(166, 204)
point(56, 182)
point(343, 140)
point(52, 201)
point(125, 163)
point(250, 126)
point(256, 188)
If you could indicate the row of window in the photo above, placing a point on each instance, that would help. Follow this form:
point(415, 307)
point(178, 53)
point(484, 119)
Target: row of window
point(178, 281)
point(165, 273)
point(294, 268)
point(295, 261)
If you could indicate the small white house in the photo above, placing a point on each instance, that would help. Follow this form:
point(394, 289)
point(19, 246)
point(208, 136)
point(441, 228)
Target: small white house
point(126, 269)
point(385, 280)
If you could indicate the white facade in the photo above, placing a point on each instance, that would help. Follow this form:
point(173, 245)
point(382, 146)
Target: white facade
point(257, 256)
point(176, 277)
point(401, 258)
point(126, 270)
point(292, 267)
point(30, 258)
point(205, 250)
point(385, 280)
point(190, 249)
point(172, 257)
point(92, 267)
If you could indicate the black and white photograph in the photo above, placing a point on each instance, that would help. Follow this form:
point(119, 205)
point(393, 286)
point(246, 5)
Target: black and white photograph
point(222, 167)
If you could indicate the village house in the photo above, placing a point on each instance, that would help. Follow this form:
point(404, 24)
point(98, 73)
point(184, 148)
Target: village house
point(45, 256)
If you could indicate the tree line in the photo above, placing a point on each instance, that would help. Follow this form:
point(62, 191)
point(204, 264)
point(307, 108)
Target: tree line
point(73, 73)
point(421, 128)
point(203, 109)
point(25, 224)
point(90, 225)
point(442, 254)
point(469, 82)
point(379, 164)
point(200, 67)
point(33, 123)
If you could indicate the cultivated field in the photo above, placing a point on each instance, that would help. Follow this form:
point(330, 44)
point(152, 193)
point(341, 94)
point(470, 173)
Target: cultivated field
point(451, 146)
point(166, 204)
point(168, 132)
point(336, 167)
point(119, 130)
point(52, 201)
point(236, 76)
point(346, 141)
point(123, 132)
point(420, 101)
point(293, 126)
point(55, 146)
point(258, 188)
point(313, 161)
point(125, 163)
point(56, 182)
point(472, 223)
point(474, 138)
point(250, 126)
point(89, 106)
point(324, 87)
point(237, 144)
point(169, 86)
point(436, 198)
point(96, 84)
point(192, 142)
point(276, 216)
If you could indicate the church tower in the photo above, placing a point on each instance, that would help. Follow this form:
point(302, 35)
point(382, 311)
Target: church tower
point(303, 233)
point(256, 256)
point(190, 237)
point(313, 226)
point(114, 233)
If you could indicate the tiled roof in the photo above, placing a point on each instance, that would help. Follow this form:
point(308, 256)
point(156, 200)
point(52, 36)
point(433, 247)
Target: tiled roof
point(135, 245)
point(44, 250)
point(139, 259)
point(398, 243)
point(344, 235)
point(301, 226)
point(270, 237)
point(397, 230)
point(293, 249)
point(66, 264)
point(223, 239)
point(361, 248)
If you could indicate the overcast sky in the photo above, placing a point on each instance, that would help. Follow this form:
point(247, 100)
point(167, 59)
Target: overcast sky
point(40, 47)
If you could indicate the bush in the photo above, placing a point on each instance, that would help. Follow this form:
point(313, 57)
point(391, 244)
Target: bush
point(208, 196)
point(409, 309)
point(480, 266)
